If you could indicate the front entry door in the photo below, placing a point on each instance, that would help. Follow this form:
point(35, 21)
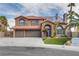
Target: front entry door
point(48, 28)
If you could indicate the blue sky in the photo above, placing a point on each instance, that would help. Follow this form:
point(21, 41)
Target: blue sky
point(11, 10)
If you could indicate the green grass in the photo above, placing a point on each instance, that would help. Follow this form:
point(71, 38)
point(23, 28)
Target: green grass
point(58, 41)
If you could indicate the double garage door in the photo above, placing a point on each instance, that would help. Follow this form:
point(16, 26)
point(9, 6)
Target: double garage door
point(28, 33)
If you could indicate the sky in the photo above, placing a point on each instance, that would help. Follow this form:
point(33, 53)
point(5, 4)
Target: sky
point(12, 10)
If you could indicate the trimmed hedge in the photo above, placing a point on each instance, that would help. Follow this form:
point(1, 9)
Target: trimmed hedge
point(58, 41)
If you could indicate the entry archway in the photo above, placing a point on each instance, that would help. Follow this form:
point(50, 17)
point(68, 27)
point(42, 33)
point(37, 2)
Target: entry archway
point(48, 30)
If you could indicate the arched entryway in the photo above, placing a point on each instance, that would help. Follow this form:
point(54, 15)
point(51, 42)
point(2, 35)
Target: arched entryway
point(48, 30)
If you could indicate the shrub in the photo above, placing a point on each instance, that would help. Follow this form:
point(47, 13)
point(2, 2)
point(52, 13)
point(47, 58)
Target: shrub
point(59, 41)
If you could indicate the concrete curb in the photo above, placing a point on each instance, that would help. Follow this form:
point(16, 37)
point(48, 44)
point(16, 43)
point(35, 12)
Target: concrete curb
point(62, 47)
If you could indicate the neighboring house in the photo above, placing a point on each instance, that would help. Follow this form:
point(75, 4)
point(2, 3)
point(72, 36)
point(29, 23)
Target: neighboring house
point(33, 26)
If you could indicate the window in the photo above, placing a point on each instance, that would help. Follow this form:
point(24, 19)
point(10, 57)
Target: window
point(22, 23)
point(59, 30)
point(35, 22)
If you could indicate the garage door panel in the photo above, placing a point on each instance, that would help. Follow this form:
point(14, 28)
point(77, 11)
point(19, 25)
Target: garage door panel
point(19, 33)
point(33, 33)
point(28, 33)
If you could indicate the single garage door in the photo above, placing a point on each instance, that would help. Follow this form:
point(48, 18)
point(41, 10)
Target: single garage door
point(19, 33)
point(33, 33)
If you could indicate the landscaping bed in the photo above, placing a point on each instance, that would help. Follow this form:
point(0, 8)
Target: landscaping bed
point(58, 41)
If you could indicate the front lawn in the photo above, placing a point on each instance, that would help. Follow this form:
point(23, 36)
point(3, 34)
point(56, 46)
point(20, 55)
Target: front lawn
point(58, 41)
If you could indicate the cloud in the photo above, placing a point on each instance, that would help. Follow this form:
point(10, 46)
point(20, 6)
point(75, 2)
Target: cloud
point(43, 9)
point(11, 10)
point(38, 9)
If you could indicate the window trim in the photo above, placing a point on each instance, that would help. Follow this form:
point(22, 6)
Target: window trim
point(23, 22)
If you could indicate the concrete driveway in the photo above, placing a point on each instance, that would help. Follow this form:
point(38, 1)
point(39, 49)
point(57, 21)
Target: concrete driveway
point(26, 41)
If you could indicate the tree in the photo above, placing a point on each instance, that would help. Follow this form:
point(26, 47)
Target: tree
point(73, 17)
point(71, 12)
point(71, 5)
point(3, 20)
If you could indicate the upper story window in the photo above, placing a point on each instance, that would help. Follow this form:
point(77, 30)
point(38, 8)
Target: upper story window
point(22, 22)
point(35, 22)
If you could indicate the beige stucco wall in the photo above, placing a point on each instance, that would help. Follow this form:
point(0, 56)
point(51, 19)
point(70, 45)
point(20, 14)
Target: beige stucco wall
point(2, 34)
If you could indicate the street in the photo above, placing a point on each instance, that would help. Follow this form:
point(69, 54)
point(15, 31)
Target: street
point(32, 47)
point(35, 51)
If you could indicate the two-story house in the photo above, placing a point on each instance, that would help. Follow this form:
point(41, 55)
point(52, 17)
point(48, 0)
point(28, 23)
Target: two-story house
point(33, 26)
point(29, 26)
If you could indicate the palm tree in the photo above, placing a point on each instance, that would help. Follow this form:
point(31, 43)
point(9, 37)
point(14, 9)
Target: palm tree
point(71, 15)
point(71, 5)
point(71, 12)
point(3, 20)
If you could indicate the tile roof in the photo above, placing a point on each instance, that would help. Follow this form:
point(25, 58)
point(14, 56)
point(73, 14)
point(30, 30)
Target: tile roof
point(32, 17)
point(27, 27)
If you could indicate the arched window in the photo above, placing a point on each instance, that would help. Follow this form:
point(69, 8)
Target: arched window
point(22, 22)
point(60, 30)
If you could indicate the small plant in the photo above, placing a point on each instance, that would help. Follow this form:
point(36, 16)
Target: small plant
point(45, 30)
point(55, 40)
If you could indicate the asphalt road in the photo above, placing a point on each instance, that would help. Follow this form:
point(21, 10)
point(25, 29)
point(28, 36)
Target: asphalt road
point(35, 51)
